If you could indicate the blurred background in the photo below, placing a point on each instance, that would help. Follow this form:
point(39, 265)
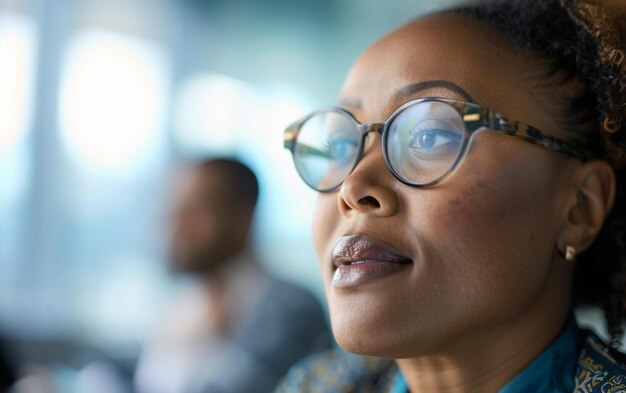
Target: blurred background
point(100, 101)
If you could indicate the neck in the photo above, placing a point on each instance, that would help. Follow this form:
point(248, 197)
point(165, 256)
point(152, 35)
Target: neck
point(486, 359)
point(485, 365)
point(223, 284)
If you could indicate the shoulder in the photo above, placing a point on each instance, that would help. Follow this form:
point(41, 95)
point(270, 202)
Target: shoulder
point(254, 287)
point(290, 319)
point(597, 370)
point(340, 372)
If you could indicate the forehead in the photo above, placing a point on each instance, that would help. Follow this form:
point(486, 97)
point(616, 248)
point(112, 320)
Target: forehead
point(451, 48)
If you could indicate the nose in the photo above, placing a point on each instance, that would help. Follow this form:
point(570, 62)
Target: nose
point(370, 186)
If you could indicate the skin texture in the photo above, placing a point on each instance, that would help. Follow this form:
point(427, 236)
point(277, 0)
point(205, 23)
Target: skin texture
point(208, 228)
point(488, 289)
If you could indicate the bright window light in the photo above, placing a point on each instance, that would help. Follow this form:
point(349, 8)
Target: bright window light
point(17, 51)
point(112, 102)
point(277, 108)
point(15, 176)
point(17, 59)
point(211, 109)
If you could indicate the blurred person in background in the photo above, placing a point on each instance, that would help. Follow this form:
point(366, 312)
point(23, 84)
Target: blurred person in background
point(238, 329)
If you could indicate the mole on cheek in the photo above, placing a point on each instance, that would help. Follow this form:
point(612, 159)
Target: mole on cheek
point(460, 206)
point(478, 189)
point(454, 202)
point(472, 201)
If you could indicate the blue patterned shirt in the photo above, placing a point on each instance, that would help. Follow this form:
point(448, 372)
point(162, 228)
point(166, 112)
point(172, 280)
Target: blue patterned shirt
point(576, 361)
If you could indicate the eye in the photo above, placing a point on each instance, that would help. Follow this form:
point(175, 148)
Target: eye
point(432, 134)
point(341, 148)
point(430, 139)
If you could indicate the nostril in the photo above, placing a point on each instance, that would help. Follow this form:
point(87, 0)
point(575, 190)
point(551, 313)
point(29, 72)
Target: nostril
point(369, 201)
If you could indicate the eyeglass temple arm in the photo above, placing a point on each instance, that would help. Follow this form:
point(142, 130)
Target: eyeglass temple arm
point(501, 123)
point(289, 139)
point(289, 136)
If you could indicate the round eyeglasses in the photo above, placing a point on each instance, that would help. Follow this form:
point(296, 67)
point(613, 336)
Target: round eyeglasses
point(422, 141)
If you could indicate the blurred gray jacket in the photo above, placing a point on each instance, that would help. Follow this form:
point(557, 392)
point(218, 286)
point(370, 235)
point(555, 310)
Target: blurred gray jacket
point(273, 325)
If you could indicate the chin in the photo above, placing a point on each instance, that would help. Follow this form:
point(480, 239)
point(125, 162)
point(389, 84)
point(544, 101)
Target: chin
point(372, 339)
point(375, 346)
point(188, 266)
point(389, 335)
point(361, 346)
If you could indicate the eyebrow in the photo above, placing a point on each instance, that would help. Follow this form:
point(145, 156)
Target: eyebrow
point(425, 85)
point(415, 88)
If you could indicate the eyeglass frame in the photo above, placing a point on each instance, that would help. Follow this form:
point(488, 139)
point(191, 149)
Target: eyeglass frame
point(488, 118)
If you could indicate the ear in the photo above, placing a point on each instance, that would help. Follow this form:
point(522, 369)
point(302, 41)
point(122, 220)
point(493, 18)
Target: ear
point(590, 202)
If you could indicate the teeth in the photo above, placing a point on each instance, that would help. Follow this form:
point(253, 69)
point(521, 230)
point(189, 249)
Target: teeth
point(357, 262)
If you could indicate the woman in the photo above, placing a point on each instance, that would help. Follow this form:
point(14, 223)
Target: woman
point(472, 194)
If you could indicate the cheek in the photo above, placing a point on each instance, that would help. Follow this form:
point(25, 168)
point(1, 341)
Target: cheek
point(488, 233)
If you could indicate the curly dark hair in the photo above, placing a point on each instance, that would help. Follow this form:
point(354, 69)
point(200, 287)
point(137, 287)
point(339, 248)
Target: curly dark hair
point(582, 40)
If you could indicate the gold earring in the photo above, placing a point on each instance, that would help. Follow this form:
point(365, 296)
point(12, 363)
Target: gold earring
point(570, 253)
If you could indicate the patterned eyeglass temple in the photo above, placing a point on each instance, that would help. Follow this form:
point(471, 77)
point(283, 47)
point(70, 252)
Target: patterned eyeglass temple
point(530, 133)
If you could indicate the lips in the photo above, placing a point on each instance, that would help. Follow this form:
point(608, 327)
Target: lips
point(361, 259)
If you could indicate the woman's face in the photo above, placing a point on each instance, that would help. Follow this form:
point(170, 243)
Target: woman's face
point(482, 244)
